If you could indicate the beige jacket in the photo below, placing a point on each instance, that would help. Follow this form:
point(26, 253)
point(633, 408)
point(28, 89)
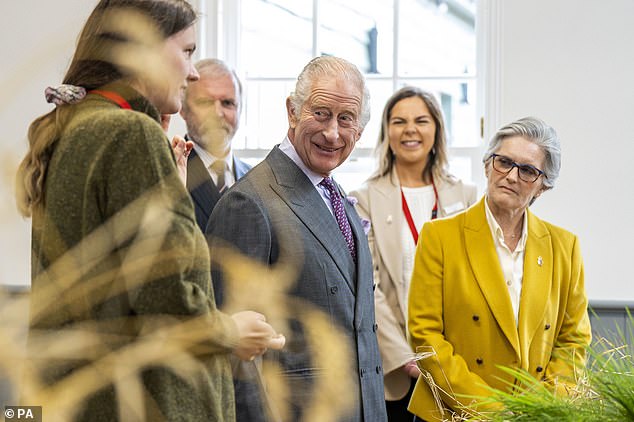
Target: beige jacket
point(380, 202)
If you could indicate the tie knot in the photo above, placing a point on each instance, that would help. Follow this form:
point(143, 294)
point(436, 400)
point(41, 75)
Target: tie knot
point(218, 166)
point(328, 184)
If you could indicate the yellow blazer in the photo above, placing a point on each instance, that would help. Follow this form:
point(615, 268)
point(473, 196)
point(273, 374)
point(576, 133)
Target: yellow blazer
point(380, 202)
point(460, 308)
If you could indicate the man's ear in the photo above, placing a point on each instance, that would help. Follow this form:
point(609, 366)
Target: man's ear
point(290, 113)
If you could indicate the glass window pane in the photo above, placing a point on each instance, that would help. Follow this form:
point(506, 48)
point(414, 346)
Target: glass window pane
point(380, 91)
point(360, 31)
point(265, 113)
point(276, 36)
point(437, 37)
point(458, 103)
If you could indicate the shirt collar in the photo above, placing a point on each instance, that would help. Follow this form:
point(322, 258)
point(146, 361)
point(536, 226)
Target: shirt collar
point(288, 148)
point(209, 159)
point(496, 230)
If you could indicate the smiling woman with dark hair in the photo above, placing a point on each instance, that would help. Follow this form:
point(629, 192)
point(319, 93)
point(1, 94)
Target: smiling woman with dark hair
point(496, 286)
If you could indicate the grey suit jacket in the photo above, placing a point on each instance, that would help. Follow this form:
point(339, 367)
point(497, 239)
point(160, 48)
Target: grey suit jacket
point(380, 202)
point(275, 212)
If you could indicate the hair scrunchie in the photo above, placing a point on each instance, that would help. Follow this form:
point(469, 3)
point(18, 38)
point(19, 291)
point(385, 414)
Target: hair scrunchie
point(64, 94)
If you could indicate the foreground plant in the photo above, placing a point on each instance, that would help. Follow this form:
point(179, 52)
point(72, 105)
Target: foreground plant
point(605, 393)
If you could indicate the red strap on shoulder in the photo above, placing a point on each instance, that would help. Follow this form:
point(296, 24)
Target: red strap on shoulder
point(114, 97)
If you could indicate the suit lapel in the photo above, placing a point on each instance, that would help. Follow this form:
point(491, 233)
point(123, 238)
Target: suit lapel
point(303, 199)
point(537, 280)
point(486, 268)
point(385, 207)
point(199, 184)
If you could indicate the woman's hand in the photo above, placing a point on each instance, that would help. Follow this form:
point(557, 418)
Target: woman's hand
point(181, 149)
point(255, 335)
point(411, 368)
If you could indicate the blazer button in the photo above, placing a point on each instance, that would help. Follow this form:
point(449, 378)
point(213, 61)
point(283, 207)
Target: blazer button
point(547, 327)
point(476, 318)
point(539, 369)
point(334, 289)
point(479, 361)
point(375, 327)
point(378, 369)
point(362, 372)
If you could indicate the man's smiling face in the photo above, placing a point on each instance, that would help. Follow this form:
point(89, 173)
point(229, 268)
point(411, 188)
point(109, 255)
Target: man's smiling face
point(328, 126)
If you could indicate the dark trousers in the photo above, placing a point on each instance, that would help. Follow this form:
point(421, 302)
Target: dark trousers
point(397, 409)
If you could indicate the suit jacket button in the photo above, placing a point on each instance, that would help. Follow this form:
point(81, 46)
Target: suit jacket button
point(539, 369)
point(375, 327)
point(378, 369)
point(334, 289)
point(476, 318)
point(547, 327)
point(479, 361)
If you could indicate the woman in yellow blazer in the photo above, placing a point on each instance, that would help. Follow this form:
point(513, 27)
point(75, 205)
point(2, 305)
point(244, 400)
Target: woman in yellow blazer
point(412, 169)
point(497, 286)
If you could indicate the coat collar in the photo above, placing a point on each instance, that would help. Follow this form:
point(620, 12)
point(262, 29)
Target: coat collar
point(137, 101)
point(200, 185)
point(537, 281)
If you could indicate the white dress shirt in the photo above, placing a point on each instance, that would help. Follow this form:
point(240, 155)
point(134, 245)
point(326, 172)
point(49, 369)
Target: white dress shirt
point(208, 160)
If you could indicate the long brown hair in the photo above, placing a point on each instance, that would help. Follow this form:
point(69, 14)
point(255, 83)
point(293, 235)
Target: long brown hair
point(90, 68)
point(437, 163)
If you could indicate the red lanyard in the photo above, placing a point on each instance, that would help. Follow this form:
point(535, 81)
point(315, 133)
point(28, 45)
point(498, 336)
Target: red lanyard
point(408, 214)
point(114, 97)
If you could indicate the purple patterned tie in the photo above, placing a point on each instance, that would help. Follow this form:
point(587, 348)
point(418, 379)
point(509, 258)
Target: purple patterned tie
point(340, 214)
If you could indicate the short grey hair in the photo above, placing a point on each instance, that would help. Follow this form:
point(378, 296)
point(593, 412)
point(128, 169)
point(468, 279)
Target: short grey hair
point(328, 67)
point(218, 67)
point(538, 132)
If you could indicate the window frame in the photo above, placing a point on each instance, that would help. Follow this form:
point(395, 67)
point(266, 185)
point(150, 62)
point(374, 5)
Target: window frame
point(225, 40)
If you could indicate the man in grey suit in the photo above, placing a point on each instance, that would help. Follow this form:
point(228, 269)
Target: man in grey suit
point(211, 110)
point(288, 209)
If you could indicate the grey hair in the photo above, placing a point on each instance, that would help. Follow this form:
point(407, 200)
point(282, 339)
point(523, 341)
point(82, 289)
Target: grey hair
point(218, 68)
point(438, 161)
point(329, 66)
point(538, 132)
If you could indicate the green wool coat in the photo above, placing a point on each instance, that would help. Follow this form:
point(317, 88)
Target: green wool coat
point(117, 257)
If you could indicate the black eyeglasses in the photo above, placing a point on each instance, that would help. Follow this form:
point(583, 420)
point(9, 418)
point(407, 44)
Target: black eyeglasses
point(526, 172)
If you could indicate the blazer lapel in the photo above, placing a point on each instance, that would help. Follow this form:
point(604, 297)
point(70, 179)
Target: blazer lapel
point(200, 185)
point(450, 198)
point(537, 280)
point(385, 207)
point(485, 266)
point(303, 199)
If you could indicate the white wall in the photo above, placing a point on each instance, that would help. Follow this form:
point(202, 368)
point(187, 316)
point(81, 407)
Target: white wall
point(571, 63)
point(37, 38)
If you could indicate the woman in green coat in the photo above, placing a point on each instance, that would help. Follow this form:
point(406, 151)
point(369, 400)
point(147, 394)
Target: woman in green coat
point(120, 271)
